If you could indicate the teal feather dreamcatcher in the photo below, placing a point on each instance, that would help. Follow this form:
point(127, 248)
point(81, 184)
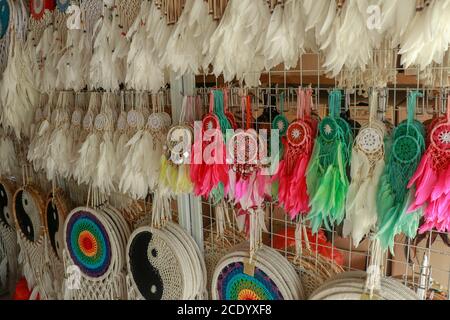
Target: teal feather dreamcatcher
point(404, 153)
point(327, 173)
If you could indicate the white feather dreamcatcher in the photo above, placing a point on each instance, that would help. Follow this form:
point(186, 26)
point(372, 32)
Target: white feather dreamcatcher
point(367, 166)
point(86, 164)
point(141, 57)
point(428, 36)
point(185, 49)
point(73, 67)
point(106, 167)
point(237, 44)
point(60, 146)
point(142, 163)
point(285, 35)
point(107, 67)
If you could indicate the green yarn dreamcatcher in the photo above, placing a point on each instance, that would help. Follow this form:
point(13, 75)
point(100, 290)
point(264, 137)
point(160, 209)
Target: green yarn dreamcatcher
point(405, 151)
point(327, 173)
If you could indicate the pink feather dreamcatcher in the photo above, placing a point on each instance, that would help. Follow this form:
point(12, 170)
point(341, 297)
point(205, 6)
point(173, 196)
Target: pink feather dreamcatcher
point(298, 143)
point(432, 179)
point(209, 169)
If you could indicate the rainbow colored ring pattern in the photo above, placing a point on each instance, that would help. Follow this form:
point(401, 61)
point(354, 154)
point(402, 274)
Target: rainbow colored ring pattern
point(88, 243)
point(233, 284)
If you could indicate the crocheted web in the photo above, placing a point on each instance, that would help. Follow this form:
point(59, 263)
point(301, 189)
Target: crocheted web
point(234, 284)
point(88, 244)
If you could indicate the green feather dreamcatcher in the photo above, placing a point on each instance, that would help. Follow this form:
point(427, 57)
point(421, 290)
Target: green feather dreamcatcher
point(327, 173)
point(403, 155)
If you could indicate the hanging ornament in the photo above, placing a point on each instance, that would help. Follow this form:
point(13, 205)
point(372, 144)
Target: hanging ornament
point(393, 198)
point(432, 176)
point(367, 166)
point(327, 178)
point(291, 174)
point(4, 17)
point(38, 7)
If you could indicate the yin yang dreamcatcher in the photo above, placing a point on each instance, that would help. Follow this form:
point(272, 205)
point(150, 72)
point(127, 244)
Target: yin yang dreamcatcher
point(164, 264)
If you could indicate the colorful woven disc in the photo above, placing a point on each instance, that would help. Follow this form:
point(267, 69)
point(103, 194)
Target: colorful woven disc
point(234, 284)
point(88, 243)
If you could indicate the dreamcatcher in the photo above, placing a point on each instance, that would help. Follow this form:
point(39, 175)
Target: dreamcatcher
point(29, 208)
point(95, 242)
point(187, 47)
point(9, 269)
point(281, 123)
point(393, 198)
point(39, 7)
point(367, 166)
point(431, 180)
point(165, 264)
point(267, 275)
point(352, 286)
point(209, 170)
point(291, 174)
point(175, 177)
point(142, 163)
point(326, 177)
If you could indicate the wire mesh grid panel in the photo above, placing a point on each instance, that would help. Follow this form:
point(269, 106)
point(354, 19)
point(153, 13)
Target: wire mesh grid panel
point(422, 263)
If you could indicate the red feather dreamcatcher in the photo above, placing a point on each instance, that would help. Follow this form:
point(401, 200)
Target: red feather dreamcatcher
point(298, 144)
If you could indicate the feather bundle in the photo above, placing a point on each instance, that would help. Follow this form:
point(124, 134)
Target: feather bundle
point(185, 51)
point(237, 45)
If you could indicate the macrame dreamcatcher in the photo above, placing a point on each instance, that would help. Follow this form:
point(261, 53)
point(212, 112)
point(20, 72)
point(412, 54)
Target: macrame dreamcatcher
point(394, 198)
point(431, 180)
point(9, 269)
point(267, 275)
point(209, 170)
point(54, 217)
point(327, 177)
point(367, 166)
point(165, 264)
point(291, 174)
point(175, 177)
point(352, 286)
point(95, 242)
point(145, 148)
point(29, 208)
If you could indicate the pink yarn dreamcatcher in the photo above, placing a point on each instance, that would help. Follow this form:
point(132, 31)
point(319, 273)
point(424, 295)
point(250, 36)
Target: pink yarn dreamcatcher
point(209, 169)
point(298, 143)
point(432, 179)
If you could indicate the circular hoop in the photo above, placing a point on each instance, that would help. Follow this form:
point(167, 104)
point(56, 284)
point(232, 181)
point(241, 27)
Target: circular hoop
point(298, 133)
point(370, 140)
point(54, 218)
point(440, 137)
point(210, 122)
point(38, 7)
point(281, 123)
point(328, 129)
point(6, 203)
point(4, 17)
point(406, 149)
point(88, 241)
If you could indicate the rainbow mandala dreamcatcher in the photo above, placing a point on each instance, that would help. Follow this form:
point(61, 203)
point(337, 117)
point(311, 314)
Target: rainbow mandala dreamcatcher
point(327, 177)
point(95, 242)
point(291, 173)
point(269, 276)
point(431, 180)
point(393, 198)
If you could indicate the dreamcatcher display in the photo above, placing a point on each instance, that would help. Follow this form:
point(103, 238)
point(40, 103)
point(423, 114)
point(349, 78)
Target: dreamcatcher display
point(352, 286)
point(393, 198)
point(326, 177)
point(268, 276)
point(165, 264)
point(175, 177)
point(95, 241)
point(431, 180)
point(291, 174)
point(9, 271)
point(367, 166)
point(29, 208)
point(38, 8)
point(209, 170)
